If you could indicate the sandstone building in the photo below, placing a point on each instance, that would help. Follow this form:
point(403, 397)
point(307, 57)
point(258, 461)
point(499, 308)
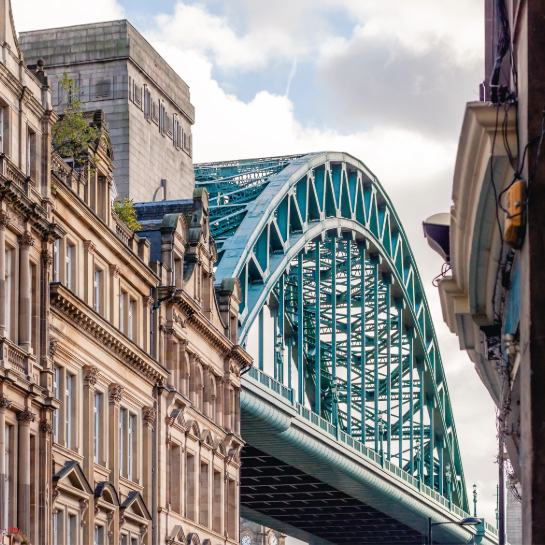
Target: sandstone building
point(119, 364)
point(147, 105)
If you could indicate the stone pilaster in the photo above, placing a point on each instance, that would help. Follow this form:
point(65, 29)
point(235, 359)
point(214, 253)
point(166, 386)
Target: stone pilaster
point(115, 396)
point(23, 497)
point(237, 411)
point(45, 522)
point(207, 392)
point(148, 420)
point(226, 383)
point(89, 273)
point(115, 294)
point(90, 378)
point(45, 278)
point(219, 401)
point(26, 241)
point(146, 320)
point(4, 222)
point(172, 363)
point(5, 403)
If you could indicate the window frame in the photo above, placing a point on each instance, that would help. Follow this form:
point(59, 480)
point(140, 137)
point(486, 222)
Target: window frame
point(56, 260)
point(8, 281)
point(56, 390)
point(68, 416)
point(31, 150)
point(2, 127)
point(69, 261)
point(98, 404)
point(129, 449)
point(8, 478)
point(98, 290)
point(132, 314)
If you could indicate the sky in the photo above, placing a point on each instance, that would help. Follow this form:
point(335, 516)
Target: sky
point(386, 81)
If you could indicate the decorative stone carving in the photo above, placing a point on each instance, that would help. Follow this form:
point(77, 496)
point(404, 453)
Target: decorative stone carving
point(26, 239)
point(5, 403)
point(4, 220)
point(194, 359)
point(148, 416)
point(116, 393)
point(47, 259)
point(53, 345)
point(115, 271)
point(177, 318)
point(89, 246)
point(83, 506)
point(148, 301)
point(110, 517)
point(26, 416)
point(90, 375)
point(143, 531)
point(46, 426)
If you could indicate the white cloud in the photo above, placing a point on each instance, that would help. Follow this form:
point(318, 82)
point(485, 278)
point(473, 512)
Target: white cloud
point(251, 33)
point(194, 28)
point(39, 14)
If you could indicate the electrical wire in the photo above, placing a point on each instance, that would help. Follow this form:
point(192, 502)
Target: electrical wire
point(445, 268)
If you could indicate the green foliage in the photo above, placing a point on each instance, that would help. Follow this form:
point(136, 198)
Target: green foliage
point(127, 214)
point(72, 135)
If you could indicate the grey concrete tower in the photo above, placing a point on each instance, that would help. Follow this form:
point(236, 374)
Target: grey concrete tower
point(147, 105)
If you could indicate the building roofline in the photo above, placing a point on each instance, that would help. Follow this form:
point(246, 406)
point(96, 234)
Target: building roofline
point(42, 30)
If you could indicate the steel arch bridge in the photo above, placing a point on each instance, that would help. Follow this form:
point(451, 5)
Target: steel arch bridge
point(335, 314)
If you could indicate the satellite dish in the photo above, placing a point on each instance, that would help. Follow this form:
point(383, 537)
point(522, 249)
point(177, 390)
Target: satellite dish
point(437, 231)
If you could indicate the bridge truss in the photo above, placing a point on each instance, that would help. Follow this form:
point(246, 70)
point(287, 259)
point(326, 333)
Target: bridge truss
point(316, 241)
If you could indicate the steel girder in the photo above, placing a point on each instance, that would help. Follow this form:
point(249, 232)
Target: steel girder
point(317, 237)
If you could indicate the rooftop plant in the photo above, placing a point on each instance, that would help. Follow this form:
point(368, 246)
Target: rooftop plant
point(72, 134)
point(127, 213)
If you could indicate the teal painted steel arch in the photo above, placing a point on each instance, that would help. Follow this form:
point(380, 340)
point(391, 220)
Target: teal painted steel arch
point(329, 209)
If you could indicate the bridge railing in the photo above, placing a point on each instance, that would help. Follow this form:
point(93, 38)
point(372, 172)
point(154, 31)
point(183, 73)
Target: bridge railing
point(288, 394)
point(269, 382)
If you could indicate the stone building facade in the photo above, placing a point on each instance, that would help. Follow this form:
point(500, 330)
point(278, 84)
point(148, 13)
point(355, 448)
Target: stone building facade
point(119, 364)
point(147, 105)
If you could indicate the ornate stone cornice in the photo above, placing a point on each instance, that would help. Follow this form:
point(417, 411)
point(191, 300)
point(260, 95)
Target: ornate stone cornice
point(89, 322)
point(116, 393)
point(26, 416)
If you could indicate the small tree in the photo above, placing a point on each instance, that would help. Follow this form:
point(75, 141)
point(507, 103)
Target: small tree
point(127, 214)
point(72, 135)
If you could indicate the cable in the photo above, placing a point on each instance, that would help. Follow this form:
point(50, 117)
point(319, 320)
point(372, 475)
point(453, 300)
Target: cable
point(445, 268)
